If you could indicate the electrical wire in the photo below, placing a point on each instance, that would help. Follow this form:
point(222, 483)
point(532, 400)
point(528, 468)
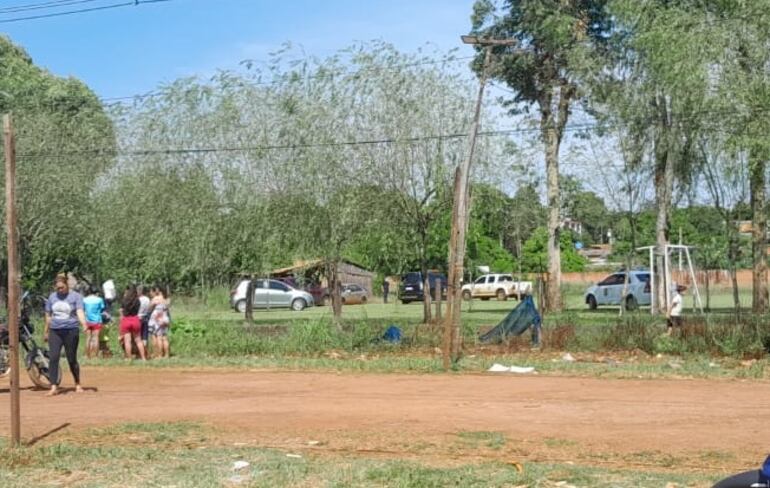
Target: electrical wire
point(51, 5)
point(133, 3)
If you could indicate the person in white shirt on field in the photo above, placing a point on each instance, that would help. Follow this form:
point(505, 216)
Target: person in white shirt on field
point(675, 310)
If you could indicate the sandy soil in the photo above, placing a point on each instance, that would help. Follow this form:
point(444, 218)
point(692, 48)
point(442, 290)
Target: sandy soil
point(684, 424)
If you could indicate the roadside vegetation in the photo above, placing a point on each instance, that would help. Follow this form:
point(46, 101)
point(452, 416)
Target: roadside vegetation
point(189, 454)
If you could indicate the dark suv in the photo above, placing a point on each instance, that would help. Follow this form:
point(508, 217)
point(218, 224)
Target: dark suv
point(411, 287)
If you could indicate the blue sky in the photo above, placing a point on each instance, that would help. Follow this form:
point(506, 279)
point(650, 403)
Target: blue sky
point(131, 50)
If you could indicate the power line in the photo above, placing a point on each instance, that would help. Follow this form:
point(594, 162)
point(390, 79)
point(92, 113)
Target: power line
point(133, 3)
point(272, 147)
point(50, 5)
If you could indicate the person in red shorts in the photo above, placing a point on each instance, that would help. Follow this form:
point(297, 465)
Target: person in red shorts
point(130, 324)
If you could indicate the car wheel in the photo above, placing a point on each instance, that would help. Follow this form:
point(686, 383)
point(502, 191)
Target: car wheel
point(631, 303)
point(240, 306)
point(298, 304)
point(591, 301)
point(342, 299)
point(501, 295)
point(467, 295)
point(363, 299)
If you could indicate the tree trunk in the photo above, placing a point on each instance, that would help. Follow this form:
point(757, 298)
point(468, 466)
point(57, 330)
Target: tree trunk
point(551, 142)
point(759, 233)
point(708, 293)
point(334, 291)
point(554, 229)
point(732, 258)
point(625, 286)
point(736, 295)
point(250, 300)
point(664, 185)
point(426, 296)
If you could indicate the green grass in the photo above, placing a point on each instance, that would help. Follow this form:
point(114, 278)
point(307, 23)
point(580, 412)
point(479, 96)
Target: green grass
point(206, 332)
point(492, 440)
point(185, 455)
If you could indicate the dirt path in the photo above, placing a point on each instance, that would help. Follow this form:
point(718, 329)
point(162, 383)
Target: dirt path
point(718, 422)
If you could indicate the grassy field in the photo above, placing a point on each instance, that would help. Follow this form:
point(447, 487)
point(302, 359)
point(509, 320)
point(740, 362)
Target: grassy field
point(191, 455)
point(206, 332)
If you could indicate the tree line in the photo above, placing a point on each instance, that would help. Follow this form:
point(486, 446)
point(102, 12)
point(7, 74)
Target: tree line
point(352, 156)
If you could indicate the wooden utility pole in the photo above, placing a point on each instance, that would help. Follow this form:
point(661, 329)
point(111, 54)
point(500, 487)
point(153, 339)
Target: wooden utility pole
point(460, 211)
point(13, 277)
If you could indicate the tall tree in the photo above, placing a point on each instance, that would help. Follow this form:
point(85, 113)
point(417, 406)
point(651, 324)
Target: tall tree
point(56, 120)
point(556, 40)
point(657, 90)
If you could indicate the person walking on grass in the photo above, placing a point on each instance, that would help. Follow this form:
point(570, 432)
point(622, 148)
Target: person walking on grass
point(64, 316)
point(675, 310)
point(160, 321)
point(94, 307)
point(130, 326)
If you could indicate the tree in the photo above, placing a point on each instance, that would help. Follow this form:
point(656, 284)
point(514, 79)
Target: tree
point(744, 83)
point(726, 181)
point(55, 120)
point(557, 38)
point(585, 207)
point(657, 89)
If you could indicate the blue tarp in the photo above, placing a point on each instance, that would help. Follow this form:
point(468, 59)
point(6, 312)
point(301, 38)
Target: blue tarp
point(519, 319)
point(393, 334)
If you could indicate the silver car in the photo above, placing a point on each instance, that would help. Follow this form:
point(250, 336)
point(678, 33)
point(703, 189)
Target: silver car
point(610, 290)
point(270, 294)
point(353, 293)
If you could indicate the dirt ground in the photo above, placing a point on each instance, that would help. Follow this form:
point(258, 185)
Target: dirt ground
point(686, 425)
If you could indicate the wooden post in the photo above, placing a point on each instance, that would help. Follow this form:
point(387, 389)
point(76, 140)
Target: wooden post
point(250, 300)
point(460, 209)
point(13, 277)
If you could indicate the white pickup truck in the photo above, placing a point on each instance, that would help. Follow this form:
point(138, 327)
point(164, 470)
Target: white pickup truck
point(500, 286)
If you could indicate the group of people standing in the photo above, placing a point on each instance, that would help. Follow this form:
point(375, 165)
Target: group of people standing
point(141, 317)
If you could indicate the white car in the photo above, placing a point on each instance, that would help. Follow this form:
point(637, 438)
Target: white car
point(496, 285)
point(609, 291)
point(270, 294)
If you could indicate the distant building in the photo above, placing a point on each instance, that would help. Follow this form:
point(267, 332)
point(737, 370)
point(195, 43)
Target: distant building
point(598, 255)
point(314, 270)
point(573, 225)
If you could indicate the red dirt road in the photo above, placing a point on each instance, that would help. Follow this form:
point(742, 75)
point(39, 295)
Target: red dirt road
point(554, 418)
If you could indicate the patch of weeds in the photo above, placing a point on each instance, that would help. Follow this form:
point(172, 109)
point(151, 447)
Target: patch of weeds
point(656, 458)
point(554, 442)
point(492, 440)
point(718, 458)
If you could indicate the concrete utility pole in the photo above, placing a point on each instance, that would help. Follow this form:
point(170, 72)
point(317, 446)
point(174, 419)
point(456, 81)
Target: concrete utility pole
point(13, 277)
point(460, 210)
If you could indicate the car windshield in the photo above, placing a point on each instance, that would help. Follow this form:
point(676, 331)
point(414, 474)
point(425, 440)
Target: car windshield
point(412, 278)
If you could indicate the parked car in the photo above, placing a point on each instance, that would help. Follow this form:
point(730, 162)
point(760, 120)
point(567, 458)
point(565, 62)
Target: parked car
point(353, 293)
point(270, 294)
point(411, 287)
point(609, 291)
point(500, 286)
point(320, 293)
